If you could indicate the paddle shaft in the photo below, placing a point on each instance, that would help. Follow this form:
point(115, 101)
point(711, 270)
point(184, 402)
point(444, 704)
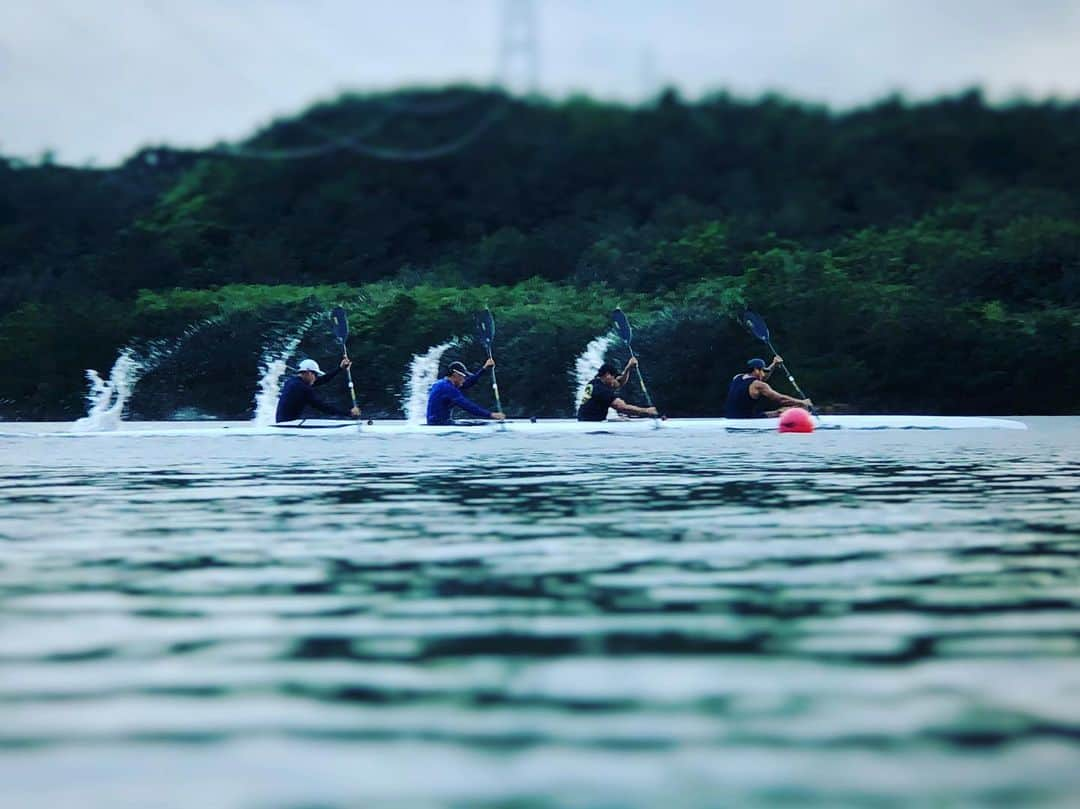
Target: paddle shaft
point(494, 382)
point(641, 379)
point(790, 377)
point(348, 375)
point(341, 332)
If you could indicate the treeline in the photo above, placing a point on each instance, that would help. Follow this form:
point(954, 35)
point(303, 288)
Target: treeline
point(912, 257)
point(857, 347)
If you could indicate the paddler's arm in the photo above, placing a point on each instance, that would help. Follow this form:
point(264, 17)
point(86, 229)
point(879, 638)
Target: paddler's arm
point(634, 410)
point(781, 399)
point(314, 403)
point(776, 360)
point(322, 380)
point(458, 399)
point(624, 377)
point(471, 379)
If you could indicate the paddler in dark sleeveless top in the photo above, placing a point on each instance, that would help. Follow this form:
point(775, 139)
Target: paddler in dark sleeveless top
point(749, 395)
point(602, 393)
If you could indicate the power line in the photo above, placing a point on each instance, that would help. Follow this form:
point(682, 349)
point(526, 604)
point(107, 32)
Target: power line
point(352, 143)
point(356, 141)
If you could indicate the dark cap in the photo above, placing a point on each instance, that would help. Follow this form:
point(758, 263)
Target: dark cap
point(606, 368)
point(457, 368)
point(755, 363)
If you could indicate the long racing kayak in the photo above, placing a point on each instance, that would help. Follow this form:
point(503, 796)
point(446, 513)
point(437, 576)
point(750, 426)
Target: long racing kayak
point(389, 428)
point(704, 425)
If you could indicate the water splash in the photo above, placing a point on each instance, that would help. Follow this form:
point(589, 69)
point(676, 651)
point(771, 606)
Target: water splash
point(272, 366)
point(423, 373)
point(586, 364)
point(107, 398)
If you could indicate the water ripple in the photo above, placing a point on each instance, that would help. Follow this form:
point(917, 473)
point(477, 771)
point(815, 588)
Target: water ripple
point(622, 621)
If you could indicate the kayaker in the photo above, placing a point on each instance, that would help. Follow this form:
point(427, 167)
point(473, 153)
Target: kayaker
point(749, 394)
point(446, 394)
point(602, 393)
point(298, 392)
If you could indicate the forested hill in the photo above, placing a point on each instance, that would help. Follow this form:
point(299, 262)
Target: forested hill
point(917, 256)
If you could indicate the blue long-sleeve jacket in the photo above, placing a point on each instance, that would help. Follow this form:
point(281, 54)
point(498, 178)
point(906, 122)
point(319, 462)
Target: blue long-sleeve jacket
point(297, 394)
point(445, 396)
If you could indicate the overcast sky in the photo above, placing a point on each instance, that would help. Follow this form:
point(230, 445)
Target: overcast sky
point(93, 80)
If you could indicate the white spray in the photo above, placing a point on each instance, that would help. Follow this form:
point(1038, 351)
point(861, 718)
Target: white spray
point(106, 399)
point(272, 366)
point(586, 364)
point(423, 373)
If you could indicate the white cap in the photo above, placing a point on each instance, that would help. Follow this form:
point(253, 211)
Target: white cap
point(311, 365)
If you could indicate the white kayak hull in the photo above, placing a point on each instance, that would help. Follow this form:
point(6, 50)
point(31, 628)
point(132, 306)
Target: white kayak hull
point(555, 426)
point(390, 428)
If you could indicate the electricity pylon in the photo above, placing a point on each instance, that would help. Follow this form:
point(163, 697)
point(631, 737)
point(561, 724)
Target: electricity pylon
point(518, 69)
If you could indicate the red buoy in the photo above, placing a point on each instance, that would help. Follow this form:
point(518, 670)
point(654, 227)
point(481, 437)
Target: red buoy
point(796, 420)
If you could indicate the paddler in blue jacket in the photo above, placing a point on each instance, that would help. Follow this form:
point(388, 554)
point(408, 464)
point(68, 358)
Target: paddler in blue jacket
point(298, 393)
point(446, 394)
point(749, 393)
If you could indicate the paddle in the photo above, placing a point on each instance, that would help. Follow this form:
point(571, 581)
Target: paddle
point(341, 331)
point(757, 326)
point(622, 323)
point(485, 323)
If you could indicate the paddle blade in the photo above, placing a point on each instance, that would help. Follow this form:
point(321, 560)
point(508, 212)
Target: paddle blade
point(756, 325)
point(341, 324)
point(622, 323)
point(485, 327)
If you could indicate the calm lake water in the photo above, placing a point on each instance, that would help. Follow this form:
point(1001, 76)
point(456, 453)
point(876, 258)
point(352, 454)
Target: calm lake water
point(847, 618)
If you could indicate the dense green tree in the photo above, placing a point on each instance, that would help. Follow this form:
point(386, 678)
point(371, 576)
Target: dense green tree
point(894, 247)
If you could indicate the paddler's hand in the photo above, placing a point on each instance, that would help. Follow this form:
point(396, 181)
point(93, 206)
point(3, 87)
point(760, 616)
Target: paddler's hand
point(651, 411)
point(489, 363)
point(345, 362)
point(630, 363)
point(355, 412)
point(776, 360)
point(499, 416)
point(807, 403)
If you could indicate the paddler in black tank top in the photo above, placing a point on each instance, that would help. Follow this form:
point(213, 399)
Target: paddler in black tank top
point(749, 395)
point(602, 393)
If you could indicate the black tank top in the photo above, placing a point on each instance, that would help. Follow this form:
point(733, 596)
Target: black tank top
point(595, 401)
point(739, 404)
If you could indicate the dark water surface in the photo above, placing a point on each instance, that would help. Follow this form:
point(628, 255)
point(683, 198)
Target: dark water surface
point(848, 618)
